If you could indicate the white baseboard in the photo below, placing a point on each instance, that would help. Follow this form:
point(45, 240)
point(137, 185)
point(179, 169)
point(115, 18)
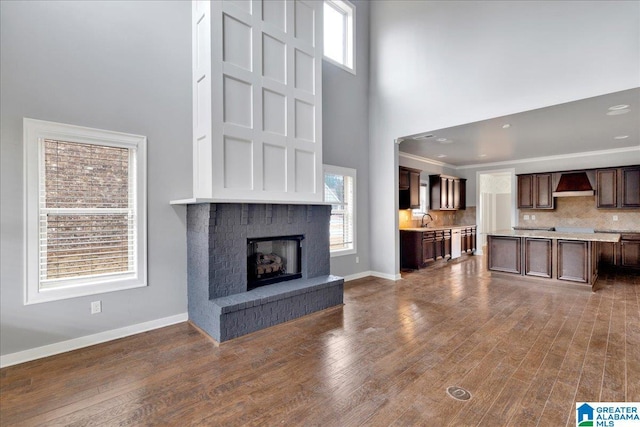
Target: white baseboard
point(86, 341)
point(357, 276)
point(386, 276)
point(372, 273)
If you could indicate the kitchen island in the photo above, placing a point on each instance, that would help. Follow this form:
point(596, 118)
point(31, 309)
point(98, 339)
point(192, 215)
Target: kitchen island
point(546, 256)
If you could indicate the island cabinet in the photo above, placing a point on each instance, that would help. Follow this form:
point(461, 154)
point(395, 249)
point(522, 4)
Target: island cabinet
point(624, 254)
point(547, 256)
point(408, 188)
point(447, 192)
point(535, 191)
point(618, 188)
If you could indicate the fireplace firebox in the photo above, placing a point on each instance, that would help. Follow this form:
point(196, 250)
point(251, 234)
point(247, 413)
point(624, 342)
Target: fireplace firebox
point(273, 259)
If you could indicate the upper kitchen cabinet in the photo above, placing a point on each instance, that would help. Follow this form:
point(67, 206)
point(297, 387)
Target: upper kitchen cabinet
point(257, 100)
point(408, 188)
point(618, 187)
point(535, 191)
point(447, 192)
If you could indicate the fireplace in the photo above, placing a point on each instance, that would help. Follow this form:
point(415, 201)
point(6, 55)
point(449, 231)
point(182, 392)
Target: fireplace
point(273, 259)
point(236, 248)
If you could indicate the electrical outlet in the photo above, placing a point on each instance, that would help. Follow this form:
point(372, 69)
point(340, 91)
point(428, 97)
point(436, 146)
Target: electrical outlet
point(615, 217)
point(533, 217)
point(526, 217)
point(96, 307)
point(357, 260)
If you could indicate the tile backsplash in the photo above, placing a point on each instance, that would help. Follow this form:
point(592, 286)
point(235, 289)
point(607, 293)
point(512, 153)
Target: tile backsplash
point(581, 212)
point(440, 218)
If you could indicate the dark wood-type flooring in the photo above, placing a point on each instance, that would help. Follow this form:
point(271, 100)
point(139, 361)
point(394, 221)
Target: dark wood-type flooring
point(526, 353)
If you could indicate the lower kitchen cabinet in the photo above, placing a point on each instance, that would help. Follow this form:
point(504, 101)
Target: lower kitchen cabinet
point(622, 255)
point(504, 254)
point(418, 247)
point(538, 255)
point(573, 260)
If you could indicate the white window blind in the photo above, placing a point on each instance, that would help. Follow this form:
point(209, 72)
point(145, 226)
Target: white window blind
point(87, 217)
point(340, 192)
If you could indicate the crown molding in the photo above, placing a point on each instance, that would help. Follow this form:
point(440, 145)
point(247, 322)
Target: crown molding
point(635, 148)
point(425, 160)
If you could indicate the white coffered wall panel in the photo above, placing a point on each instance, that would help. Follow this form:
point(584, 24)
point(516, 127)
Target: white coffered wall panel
point(257, 100)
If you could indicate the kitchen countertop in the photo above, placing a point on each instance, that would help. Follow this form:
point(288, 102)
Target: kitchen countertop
point(444, 227)
point(592, 237)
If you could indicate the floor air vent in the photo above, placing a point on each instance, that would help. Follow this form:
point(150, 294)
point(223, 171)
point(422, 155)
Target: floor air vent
point(458, 393)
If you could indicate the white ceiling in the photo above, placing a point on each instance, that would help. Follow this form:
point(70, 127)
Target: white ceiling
point(564, 129)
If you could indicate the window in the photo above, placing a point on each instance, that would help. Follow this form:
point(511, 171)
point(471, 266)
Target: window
point(85, 211)
point(339, 36)
point(340, 191)
point(424, 202)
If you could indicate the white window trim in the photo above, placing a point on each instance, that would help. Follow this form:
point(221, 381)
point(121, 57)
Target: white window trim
point(350, 48)
point(34, 133)
point(338, 170)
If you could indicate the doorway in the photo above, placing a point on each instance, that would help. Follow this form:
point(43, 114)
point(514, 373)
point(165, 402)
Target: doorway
point(496, 203)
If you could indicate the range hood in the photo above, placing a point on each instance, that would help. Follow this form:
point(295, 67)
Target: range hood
point(574, 184)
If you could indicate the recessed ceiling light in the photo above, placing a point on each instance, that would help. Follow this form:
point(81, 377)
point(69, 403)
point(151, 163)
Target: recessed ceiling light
point(482, 155)
point(621, 137)
point(446, 141)
point(617, 112)
point(441, 139)
point(506, 126)
point(441, 156)
point(619, 107)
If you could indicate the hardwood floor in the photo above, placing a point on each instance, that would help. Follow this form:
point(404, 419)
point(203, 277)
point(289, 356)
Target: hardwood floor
point(526, 353)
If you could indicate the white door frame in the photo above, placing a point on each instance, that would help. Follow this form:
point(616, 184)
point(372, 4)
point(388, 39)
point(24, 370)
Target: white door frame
point(514, 192)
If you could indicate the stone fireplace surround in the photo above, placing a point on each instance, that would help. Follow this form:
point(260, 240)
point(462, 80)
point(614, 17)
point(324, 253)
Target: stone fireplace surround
point(217, 236)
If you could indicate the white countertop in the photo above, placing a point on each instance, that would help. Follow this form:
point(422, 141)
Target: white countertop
point(444, 227)
point(542, 234)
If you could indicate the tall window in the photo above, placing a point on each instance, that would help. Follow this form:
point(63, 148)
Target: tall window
point(340, 191)
point(85, 211)
point(424, 202)
point(339, 35)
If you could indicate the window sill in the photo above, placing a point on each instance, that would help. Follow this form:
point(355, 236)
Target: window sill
point(343, 252)
point(49, 295)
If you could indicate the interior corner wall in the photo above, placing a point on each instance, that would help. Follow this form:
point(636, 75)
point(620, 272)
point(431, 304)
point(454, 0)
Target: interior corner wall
point(122, 66)
point(441, 64)
point(345, 140)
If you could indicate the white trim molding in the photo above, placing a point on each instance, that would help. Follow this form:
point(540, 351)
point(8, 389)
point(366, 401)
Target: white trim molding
point(425, 160)
point(89, 340)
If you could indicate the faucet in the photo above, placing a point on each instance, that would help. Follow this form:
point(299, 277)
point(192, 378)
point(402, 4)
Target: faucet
point(422, 224)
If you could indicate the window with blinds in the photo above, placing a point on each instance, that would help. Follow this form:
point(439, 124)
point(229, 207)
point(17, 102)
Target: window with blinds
point(339, 190)
point(85, 211)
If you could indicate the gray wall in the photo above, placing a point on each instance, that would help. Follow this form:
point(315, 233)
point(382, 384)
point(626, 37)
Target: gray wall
point(345, 134)
point(122, 66)
point(441, 64)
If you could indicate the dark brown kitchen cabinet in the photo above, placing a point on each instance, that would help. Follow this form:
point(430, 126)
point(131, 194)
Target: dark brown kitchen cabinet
point(504, 254)
point(624, 254)
point(468, 239)
point(630, 187)
point(447, 192)
point(630, 251)
point(418, 248)
point(618, 188)
point(535, 191)
point(538, 257)
point(408, 188)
